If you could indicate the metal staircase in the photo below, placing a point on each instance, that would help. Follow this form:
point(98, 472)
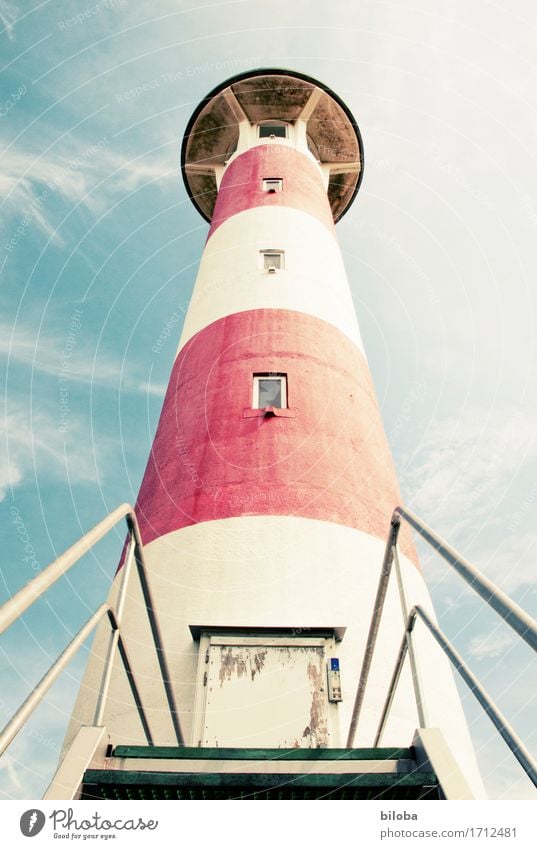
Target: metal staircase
point(149, 772)
point(92, 769)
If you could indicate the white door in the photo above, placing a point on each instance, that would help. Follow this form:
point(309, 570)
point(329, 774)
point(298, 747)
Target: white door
point(266, 695)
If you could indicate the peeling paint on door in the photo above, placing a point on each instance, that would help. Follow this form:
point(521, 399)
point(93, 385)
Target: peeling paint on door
point(266, 696)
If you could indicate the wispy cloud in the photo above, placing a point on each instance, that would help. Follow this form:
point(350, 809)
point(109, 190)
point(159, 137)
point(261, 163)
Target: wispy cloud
point(48, 442)
point(510, 563)
point(47, 356)
point(39, 446)
point(130, 174)
point(83, 173)
point(465, 464)
point(486, 645)
point(10, 782)
point(158, 389)
point(463, 481)
point(11, 473)
point(29, 182)
point(8, 16)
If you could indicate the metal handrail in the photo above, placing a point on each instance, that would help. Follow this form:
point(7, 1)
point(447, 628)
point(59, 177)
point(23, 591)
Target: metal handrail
point(398, 668)
point(524, 625)
point(419, 689)
point(528, 763)
point(116, 642)
point(40, 690)
point(25, 597)
point(373, 630)
point(155, 628)
point(521, 622)
point(10, 731)
point(12, 609)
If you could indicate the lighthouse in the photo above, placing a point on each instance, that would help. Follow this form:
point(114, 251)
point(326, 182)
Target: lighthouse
point(266, 501)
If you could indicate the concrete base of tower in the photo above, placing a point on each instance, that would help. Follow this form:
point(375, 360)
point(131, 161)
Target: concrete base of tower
point(293, 576)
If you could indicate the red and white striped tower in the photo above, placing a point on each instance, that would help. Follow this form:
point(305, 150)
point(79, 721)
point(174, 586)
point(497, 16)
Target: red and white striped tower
point(267, 497)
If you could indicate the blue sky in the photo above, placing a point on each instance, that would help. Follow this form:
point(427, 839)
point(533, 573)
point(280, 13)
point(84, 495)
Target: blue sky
point(99, 246)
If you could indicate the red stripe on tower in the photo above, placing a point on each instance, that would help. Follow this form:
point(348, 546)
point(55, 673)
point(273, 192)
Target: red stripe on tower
point(325, 456)
point(242, 184)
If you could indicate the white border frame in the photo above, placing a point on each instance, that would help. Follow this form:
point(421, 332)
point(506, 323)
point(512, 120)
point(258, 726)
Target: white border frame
point(278, 180)
point(214, 638)
point(277, 252)
point(273, 124)
point(269, 376)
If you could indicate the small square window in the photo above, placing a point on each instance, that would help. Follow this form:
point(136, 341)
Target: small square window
point(272, 260)
point(266, 131)
point(272, 184)
point(270, 390)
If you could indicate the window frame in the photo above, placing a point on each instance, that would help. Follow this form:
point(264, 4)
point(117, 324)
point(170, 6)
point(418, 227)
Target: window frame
point(269, 375)
point(278, 124)
point(271, 189)
point(275, 252)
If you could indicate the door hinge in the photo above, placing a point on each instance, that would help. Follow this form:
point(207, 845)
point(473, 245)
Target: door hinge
point(204, 679)
point(207, 656)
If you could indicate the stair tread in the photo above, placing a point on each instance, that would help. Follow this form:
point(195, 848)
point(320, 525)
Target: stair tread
point(276, 766)
point(188, 772)
point(112, 776)
point(201, 753)
point(129, 784)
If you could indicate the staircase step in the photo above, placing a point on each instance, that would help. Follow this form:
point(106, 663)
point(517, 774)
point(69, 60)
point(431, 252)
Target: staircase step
point(186, 772)
point(199, 753)
point(135, 784)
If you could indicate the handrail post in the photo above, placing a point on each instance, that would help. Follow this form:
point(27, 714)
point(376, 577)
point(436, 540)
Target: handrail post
point(12, 609)
point(419, 691)
point(127, 665)
point(521, 622)
point(114, 634)
point(155, 629)
point(28, 706)
point(398, 668)
point(374, 628)
point(501, 724)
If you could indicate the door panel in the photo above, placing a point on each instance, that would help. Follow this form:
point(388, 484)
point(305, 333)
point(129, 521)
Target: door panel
point(263, 696)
